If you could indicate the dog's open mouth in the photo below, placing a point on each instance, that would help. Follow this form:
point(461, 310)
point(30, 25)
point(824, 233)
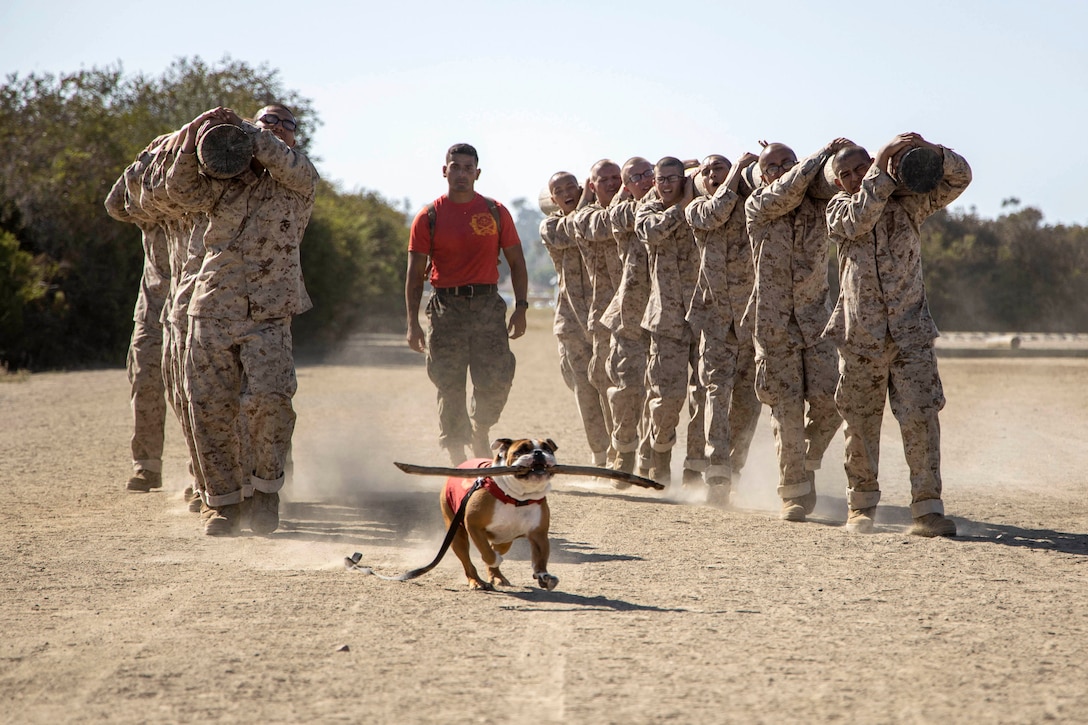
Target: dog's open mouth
point(538, 462)
point(538, 471)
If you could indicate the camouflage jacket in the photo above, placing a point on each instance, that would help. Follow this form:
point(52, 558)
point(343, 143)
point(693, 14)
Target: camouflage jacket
point(155, 279)
point(623, 316)
point(593, 232)
point(574, 289)
point(880, 259)
point(790, 249)
point(673, 263)
point(726, 273)
point(251, 267)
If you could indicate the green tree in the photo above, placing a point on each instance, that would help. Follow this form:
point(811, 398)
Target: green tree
point(527, 218)
point(68, 137)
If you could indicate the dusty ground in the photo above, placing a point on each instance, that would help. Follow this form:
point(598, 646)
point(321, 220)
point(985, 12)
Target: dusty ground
point(115, 607)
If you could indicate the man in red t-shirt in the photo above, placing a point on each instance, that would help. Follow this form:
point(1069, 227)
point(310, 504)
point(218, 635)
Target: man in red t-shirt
point(455, 244)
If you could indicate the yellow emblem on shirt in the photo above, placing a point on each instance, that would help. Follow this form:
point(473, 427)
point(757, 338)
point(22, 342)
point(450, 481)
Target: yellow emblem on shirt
point(483, 224)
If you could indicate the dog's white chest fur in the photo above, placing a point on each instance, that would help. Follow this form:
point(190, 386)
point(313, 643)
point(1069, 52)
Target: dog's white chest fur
point(510, 522)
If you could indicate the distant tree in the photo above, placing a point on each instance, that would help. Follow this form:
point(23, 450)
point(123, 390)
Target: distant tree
point(527, 217)
point(353, 258)
point(66, 297)
point(1012, 273)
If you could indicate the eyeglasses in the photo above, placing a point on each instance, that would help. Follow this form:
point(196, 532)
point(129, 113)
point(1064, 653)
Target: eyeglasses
point(670, 179)
point(635, 178)
point(782, 168)
point(271, 119)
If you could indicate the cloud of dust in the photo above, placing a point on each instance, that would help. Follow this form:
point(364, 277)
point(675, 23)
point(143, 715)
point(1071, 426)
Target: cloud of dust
point(342, 481)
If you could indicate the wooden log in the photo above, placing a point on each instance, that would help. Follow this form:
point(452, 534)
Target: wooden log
point(920, 170)
point(224, 150)
point(544, 200)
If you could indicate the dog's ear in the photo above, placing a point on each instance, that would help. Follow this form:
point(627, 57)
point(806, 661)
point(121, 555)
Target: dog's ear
point(551, 445)
point(501, 445)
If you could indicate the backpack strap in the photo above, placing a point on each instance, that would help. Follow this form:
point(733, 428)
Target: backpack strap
point(494, 208)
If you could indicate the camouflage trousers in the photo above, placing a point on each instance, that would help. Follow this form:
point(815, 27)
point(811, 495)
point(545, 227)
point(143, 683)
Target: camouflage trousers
point(672, 374)
point(787, 379)
point(173, 370)
point(909, 379)
point(628, 399)
point(468, 336)
point(575, 352)
point(727, 368)
point(234, 368)
point(601, 337)
point(147, 393)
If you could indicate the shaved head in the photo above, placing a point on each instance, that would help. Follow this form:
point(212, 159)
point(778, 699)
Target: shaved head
point(560, 176)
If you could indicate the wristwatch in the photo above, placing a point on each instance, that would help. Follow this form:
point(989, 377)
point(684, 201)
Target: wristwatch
point(521, 305)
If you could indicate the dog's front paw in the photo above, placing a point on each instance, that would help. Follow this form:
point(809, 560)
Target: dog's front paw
point(546, 580)
point(480, 585)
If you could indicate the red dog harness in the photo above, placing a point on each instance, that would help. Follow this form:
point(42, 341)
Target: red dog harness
point(458, 488)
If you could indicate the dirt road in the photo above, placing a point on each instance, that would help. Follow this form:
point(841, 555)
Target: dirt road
point(115, 607)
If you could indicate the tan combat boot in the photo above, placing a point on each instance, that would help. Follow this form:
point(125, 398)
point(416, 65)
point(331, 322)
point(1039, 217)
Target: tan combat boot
point(144, 481)
point(861, 520)
point(933, 525)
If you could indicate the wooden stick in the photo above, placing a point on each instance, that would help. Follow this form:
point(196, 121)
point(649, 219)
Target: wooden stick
point(507, 470)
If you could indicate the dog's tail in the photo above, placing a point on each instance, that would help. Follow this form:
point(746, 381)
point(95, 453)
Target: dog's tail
point(352, 562)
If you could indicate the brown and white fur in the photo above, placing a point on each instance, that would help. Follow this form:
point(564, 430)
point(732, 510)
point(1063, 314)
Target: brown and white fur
point(492, 524)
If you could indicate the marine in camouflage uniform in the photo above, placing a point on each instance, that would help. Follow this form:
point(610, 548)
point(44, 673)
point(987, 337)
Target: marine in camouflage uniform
point(629, 347)
point(144, 360)
point(572, 312)
point(789, 308)
point(592, 230)
point(674, 348)
point(181, 225)
point(727, 356)
point(239, 338)
point(883, 328)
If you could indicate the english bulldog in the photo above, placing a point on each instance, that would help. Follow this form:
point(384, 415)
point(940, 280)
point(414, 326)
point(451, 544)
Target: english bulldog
point(504, 508)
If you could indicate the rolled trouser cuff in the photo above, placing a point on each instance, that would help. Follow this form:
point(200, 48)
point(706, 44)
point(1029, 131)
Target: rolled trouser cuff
point(265, 485)
point(796, 490)
point(625, 447)
point(662, 447)
point(717, 470)
point(812, 465)
point(696, 464)
point(148, 464)
point(225, 499)
point(858, 500)
point(928, 506)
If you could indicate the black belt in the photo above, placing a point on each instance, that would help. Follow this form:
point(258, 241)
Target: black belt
point(468, 290)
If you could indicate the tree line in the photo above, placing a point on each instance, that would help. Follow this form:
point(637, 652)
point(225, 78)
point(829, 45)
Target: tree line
point(69, 274)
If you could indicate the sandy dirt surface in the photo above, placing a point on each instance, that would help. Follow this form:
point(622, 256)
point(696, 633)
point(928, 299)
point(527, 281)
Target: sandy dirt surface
point(115, 607)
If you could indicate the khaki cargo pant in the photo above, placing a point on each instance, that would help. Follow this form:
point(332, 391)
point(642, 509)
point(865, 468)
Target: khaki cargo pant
point(575, 352)
point(727, 369)
point(909, 378)
point(226, 360)
point(628, 357)
point(147, 393)
point(673, 377)
point(787, 379)
point(468, 336)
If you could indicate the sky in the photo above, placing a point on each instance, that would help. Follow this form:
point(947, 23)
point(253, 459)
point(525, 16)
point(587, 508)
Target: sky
point(543, 87)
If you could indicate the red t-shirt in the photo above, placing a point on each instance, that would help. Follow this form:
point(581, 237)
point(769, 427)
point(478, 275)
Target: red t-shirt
point(467, 243)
